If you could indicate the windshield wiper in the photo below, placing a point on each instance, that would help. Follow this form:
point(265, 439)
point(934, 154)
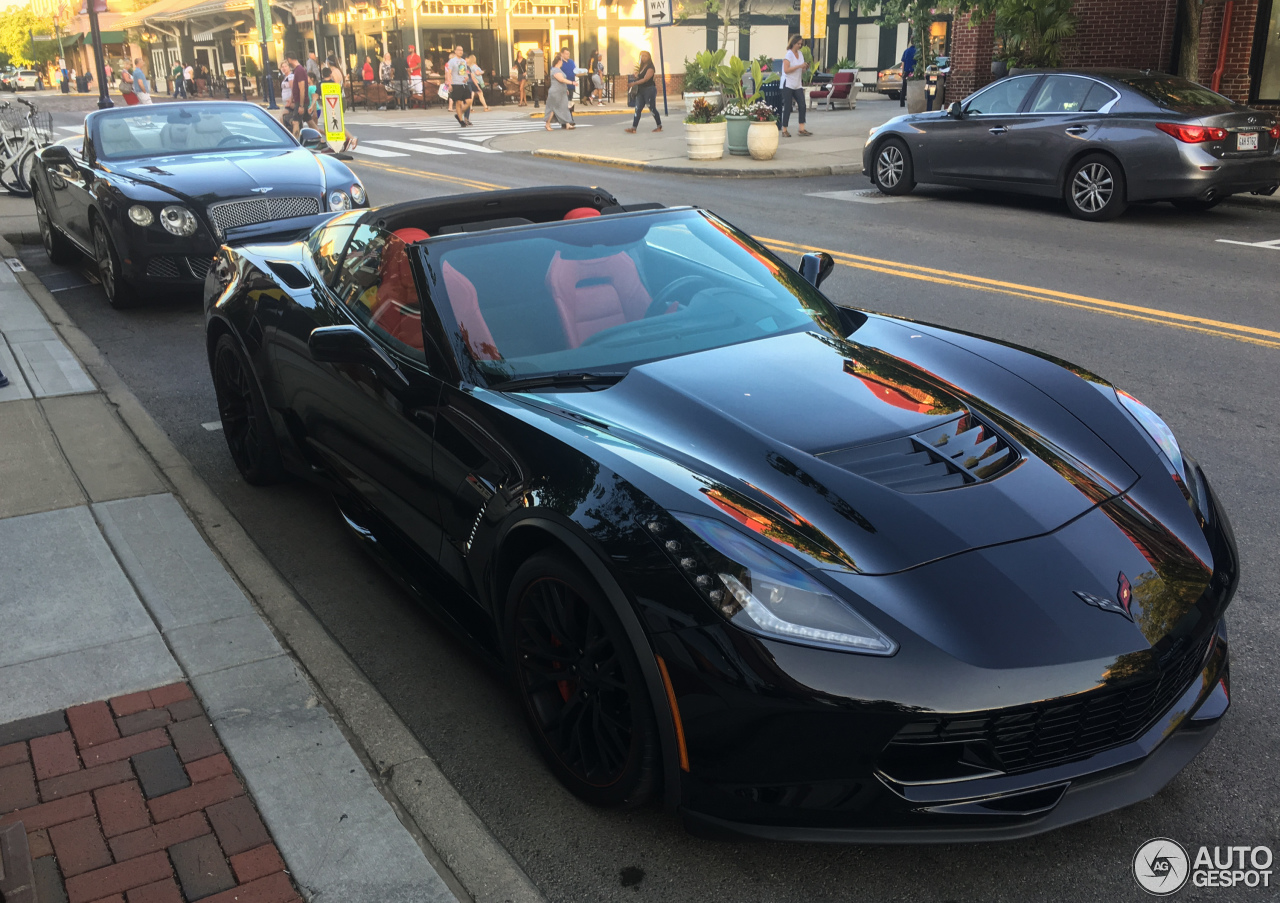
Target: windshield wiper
point(558, 381)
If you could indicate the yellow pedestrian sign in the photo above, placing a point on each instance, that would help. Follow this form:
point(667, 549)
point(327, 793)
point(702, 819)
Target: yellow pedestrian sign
point(335, 129)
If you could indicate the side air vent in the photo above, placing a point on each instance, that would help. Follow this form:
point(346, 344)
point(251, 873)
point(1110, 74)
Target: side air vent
point(289, 274)
point(961, 451)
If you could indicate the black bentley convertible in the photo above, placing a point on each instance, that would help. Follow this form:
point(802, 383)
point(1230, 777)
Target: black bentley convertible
point(150, 192)
point(796, 570)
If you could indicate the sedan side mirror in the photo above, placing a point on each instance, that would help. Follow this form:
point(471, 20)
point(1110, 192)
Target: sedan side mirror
point(57, 155)
point(310, 139)
point(954, 110)
point(348, 345)
point(817, 267)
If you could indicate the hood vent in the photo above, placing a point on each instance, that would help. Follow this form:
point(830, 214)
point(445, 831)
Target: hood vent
point(961, 451)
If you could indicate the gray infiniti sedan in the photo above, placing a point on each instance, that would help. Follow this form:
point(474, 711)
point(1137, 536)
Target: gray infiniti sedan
point(1101, 139)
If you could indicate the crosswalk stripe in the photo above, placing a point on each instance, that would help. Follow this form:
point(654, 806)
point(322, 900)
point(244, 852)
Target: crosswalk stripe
point(374, 151)
point(445, 142)
point(405, 145)
point(73, 129)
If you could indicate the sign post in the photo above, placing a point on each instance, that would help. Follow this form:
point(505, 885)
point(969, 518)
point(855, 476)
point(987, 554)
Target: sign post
point(335, 128)
point(657, 14)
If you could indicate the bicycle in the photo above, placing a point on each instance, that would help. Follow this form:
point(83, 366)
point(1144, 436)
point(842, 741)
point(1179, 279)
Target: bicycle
point(22, 135)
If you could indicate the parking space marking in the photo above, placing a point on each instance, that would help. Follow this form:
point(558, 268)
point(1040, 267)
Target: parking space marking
point(1273, 245)
point(213, 425)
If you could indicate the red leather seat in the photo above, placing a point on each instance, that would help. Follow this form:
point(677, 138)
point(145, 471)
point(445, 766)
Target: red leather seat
point(397, 310)
point(592, 295)
point(581, 213)
point(471, 322)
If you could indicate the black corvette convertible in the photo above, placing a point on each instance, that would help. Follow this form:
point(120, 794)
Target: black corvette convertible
point(150, 192)
point(796, 570)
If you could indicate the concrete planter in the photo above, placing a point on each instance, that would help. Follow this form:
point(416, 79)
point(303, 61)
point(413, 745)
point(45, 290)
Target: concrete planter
point(737, 132)
point(705, 140)
point(916, 100)
point(762, 140)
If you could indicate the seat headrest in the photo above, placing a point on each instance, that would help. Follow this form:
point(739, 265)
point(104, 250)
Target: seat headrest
point(410, 234)
point(209, 124)
point(581, 213)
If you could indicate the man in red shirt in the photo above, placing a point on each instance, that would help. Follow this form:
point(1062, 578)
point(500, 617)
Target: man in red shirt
point(415, 70)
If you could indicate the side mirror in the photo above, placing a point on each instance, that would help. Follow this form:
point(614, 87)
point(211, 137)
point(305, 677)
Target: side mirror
point(816, 267)
point(954, 110)
point(348, 345)
point(57, 155)
point(310, 139)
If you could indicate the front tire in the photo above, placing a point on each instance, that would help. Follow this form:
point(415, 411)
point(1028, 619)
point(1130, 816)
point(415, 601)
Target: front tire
point(246, 423)
point(56, 245)
point(1095, 189)
point(580, 683)
point(120, 295)
point(892, 171)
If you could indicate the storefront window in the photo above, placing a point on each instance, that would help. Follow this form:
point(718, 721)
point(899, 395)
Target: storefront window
point(1269, 80)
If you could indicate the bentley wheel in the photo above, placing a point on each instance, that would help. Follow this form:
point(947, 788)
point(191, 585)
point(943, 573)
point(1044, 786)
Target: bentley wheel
point(580, 681)
point(246, 423)
point(892, 171)
point(60, 250)
point(119, 293)
point(1095, 189)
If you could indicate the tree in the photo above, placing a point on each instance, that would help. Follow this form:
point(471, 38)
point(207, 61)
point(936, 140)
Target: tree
point(731, 13)
point(17, 23)
point(1191, 15)
point(1029, 31)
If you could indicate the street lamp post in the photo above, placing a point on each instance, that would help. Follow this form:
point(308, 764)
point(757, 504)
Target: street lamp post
point(262, 10)
point(99, 61)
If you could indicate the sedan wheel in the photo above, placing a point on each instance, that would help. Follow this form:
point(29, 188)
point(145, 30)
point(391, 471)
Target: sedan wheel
point(119, 293)
point(892, 172)
point(246, 424)
point(581, 685)
point(1095, 189)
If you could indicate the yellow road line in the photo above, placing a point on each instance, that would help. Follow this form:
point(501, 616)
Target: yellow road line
point(1083, 302)
point(441, 177)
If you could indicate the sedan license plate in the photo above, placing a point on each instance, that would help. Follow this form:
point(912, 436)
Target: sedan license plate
point(1246, 141)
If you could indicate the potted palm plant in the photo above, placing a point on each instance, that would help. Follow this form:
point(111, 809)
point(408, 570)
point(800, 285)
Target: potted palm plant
point(704, 131)
point(749, 113)
point(700, 79)
point(729, 76)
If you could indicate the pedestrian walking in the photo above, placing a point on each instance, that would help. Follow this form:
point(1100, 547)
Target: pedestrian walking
point(558, 98)
point(415, 71)
point(793, 66)
point(459, 75)
point(179, 84)
point(366, 74)
point(384, 71)
point(570, 70)
point(477, 83)
point(646, 92)
point(596, 68)
point(908, 67)
point(313, 65)
point(400, 82)
point(189, 77)
point(522, 75)
point(140, 87)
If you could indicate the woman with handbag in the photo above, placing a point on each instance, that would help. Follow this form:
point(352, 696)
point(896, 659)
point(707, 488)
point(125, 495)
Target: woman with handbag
point(558, 97)
point(126, 87)
point(646, 91)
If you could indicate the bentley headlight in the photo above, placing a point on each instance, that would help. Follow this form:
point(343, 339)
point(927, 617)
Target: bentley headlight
point(178, 220)
point(357, 194)
point(1182, 467)
point(338, 200)
point(140, 215)
point(763, 593)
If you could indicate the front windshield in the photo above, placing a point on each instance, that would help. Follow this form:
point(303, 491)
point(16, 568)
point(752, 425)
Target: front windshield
point(604, 294)
point(168, 129)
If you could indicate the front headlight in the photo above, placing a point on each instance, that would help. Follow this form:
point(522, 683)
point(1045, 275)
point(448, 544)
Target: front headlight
point(763, 593)
point(357, 194)
point(140, 215)
point(1182, 467)
point(338, 200)
point(178, 221)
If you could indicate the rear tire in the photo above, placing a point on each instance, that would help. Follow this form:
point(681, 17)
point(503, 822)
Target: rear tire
point(1195, 205)
point(246, 422)
point(891, 170)
point(56, 245)
point(1095, 189)
point(580, 684)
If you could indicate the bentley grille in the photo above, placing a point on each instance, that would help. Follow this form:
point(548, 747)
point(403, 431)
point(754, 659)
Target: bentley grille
point(248, 211)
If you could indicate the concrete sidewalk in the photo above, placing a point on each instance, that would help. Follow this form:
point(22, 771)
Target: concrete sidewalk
point(150, 711)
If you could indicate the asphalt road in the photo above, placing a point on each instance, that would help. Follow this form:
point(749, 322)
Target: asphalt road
point(1154, 301)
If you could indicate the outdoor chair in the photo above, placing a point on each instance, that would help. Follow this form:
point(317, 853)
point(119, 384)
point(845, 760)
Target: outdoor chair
point(838, 92)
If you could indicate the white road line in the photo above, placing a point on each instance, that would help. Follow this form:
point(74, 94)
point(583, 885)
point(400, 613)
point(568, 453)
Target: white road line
point(405, 145)
point(445, 142)
point(213, 425)
point(1273, 245)
point(73, 129)
point(374, 151)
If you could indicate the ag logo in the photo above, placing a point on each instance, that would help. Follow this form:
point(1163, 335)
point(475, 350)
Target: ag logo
point(1161, 866)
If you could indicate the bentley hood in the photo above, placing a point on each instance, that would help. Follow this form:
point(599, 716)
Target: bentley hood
point(235, 173)
point(873, 454)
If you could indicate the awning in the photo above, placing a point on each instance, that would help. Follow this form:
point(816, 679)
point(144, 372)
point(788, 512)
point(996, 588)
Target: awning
point(108, 37)
point(181, 10)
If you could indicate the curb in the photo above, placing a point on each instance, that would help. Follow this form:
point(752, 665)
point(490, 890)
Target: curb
point(838, 169)
point(1249, 200)
point(458, 845)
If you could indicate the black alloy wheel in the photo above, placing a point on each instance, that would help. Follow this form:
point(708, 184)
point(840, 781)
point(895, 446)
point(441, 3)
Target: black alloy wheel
point(581, 685)
point(120, 294)
point(891, 171)
point(246, 423)
point(1095, 189)
point(56, 245)
point(1196, 205)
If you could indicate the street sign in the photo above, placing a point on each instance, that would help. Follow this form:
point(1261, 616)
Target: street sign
point(335, 129)
point(813, 19)
point(657, 13)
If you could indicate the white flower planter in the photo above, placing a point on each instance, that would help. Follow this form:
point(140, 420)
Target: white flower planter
point(715, 98)
point(762, 140)
point(705, 140)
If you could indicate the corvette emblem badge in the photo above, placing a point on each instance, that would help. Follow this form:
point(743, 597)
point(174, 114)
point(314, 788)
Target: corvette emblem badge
point(1120, 605)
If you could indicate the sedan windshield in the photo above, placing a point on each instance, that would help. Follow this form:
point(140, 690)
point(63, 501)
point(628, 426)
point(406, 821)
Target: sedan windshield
point(167, 129)
point(601, 295)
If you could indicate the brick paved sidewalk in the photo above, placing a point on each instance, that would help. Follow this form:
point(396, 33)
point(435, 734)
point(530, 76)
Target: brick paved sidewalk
point(134, 801)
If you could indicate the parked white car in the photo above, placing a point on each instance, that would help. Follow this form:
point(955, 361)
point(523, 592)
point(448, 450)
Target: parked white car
point(28, 78)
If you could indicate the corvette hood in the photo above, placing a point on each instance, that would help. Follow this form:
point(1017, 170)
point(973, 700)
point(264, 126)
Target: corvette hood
point(874, 454)
point(211, 177)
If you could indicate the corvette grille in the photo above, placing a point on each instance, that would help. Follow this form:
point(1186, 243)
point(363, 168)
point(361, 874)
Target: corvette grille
point(163, 268)
point(961, 451)
point(1050, 733)
point(199, 266)
point(248, 211)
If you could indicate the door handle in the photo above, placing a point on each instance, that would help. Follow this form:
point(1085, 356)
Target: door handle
point(1077, 129)
point(998, 130)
